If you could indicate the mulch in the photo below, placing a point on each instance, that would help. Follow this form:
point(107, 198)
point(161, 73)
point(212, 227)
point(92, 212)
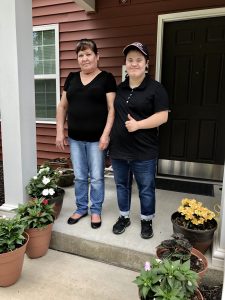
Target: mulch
point(2, 194)
point(211, 292)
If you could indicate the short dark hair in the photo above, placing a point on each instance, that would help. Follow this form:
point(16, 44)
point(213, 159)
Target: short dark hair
point(84, 44)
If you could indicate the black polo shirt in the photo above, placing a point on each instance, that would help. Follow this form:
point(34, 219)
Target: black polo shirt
point(141, 102)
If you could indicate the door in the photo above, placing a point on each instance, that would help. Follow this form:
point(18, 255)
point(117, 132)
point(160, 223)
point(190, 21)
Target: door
point(193, 72)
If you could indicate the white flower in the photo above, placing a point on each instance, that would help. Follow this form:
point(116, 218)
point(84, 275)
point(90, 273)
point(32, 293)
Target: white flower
point(34, 177)
point(45, 180)
point(158, 260)
point(51, 192)
point(45, 192)
point(46, 169)
point(189, 283)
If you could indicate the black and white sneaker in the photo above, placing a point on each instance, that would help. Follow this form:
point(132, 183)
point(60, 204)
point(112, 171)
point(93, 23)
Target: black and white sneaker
point(146, 229)
point(121, 224)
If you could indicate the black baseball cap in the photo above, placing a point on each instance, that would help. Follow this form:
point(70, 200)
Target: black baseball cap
point(138, 46)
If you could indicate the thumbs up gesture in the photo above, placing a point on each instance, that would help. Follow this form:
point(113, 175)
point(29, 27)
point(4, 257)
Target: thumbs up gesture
point(131, 124)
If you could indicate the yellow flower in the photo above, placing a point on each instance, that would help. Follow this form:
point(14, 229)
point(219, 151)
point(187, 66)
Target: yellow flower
point(193, 210)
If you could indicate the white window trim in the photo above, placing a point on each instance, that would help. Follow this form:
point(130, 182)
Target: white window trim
point(56, 76)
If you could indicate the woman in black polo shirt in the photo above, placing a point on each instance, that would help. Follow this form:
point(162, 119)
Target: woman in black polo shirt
point(87, 102)
point(141, 106)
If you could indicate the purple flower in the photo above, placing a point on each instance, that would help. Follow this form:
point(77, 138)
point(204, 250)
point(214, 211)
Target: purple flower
point(147, 266)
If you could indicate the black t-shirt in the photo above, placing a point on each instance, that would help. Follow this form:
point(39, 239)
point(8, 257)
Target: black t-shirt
point(141, 102)
point(87, 109)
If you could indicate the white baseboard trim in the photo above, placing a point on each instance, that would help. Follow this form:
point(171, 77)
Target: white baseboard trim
point(218, 254)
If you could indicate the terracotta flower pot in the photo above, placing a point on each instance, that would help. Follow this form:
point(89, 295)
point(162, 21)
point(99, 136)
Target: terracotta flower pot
point(39, 241)
point(197, 296)
point(200, 239)
point(204, 260)
point(11, 264)
point(194, 252)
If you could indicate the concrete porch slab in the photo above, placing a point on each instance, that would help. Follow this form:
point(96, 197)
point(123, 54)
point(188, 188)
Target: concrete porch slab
point(127, 250)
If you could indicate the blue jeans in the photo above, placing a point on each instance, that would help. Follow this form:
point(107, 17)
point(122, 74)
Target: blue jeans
point(88, 161)
point(144, 173)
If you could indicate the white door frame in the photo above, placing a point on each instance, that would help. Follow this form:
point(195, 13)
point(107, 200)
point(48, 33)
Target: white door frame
point(219, 240)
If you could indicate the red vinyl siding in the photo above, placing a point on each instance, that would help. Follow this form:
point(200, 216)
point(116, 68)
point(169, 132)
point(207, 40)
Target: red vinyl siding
point(46, 148)
point(112, 26)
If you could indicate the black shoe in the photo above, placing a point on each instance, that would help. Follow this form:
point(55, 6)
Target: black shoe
point(96, 225)
point(72, 221)
point(146, 229)
point(121, 225)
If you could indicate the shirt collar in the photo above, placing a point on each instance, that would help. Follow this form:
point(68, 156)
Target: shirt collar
point(142, 86)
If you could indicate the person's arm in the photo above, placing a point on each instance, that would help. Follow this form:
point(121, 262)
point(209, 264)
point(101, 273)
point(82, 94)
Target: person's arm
point(153, 121)
point(60, 122)
point(104, 140)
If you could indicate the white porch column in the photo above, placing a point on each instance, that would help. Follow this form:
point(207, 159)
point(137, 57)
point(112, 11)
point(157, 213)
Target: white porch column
point(17, 99)
point(218, 253)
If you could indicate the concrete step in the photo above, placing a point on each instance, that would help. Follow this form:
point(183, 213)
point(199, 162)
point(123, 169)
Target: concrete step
point(127, 250)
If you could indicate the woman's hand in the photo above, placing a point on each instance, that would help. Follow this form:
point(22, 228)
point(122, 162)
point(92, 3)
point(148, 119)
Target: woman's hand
point(131, 124)
point(103, 142)
point(61, 142)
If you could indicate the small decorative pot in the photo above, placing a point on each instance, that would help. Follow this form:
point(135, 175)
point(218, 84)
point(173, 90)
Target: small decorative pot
point(58, 163)
point(200, 239)
point(39, 241)
point(66, 178)
point(11, 264)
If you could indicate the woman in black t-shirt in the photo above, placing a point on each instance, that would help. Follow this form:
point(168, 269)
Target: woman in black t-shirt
point(87, 102)
point(141, 105)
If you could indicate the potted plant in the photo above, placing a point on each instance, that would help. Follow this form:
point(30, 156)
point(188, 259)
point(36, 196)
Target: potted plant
point(13, 242)
point(59, 162)
point(44, 184)
point(166, 280)
point(37, 216)
point(196, 222)
point(66, 177)
point(180, 248)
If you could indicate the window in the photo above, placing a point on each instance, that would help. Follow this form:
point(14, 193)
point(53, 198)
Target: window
point(46, 71)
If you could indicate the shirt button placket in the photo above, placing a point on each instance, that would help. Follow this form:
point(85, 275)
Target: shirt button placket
point(129, 96)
